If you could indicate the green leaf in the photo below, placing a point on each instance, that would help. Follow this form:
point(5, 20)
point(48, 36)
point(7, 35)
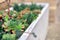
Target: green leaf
point(19, 8)
point(19, 27)
point(31, 16)
point(23, 6)
point(1, 34)
point(11, 12)
point(14, 25)
point(1, 12)
point(18, 33)
point(9, 37)
point(6, 18)
point(40, 7)
point(34, 7)
point(16, 7)
point(25, 16)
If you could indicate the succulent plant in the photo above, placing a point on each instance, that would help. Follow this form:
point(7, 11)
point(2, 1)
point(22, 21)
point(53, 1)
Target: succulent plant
point(6, 18)
point(18, 20)
point(1, 12)
point(31, 16)
point(14, 25)
point(19, 8)
point(16, 7)
point(18, 33)
point(9, 37)
point(35, 7)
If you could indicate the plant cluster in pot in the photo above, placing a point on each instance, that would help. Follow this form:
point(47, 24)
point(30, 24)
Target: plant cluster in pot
point(12, 26)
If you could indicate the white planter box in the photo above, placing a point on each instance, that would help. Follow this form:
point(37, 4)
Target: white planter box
point(39, 26)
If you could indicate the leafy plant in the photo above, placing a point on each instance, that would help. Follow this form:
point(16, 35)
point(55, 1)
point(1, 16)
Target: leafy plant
point(25, 16)
point(1, 29)
point(31, 16)
point(19, 8)
point(14, 25)
point(16, 7)
point(1, 35)
point(14, 14)
point(40, 7)
point(1, 12)
point(18, 33)
point(19, 27)
point(22, 6)
point(6, 18)
point(1, 23)
point(11, 12)
point(34, 7)
point(9, 37)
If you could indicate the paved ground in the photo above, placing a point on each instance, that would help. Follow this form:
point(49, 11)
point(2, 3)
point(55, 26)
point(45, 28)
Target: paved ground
point(53, 28)
point(54, 32)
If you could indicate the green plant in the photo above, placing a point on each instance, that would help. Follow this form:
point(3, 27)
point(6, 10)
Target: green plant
point(1, 35)
point(14, 25)
point(31, 16)
point(18, 33)
point(22, 6)
point(19, 8)
point(6, 18)
point(1, 29)
point(28, 18)
point(9, 37)
point(1, 12)
point(11, 12)
point(25, 16)
point(19, 26)
point(40, 7)
point(14, 14)
point(34, 7)
point(16, 7)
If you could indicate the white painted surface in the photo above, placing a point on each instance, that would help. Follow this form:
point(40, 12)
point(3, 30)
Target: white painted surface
point(38, 26)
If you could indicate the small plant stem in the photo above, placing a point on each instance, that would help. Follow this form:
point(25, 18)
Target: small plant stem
point(8, 2)
point(8, 7)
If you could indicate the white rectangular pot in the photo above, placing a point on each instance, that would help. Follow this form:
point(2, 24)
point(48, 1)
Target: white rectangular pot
point(38, 28)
